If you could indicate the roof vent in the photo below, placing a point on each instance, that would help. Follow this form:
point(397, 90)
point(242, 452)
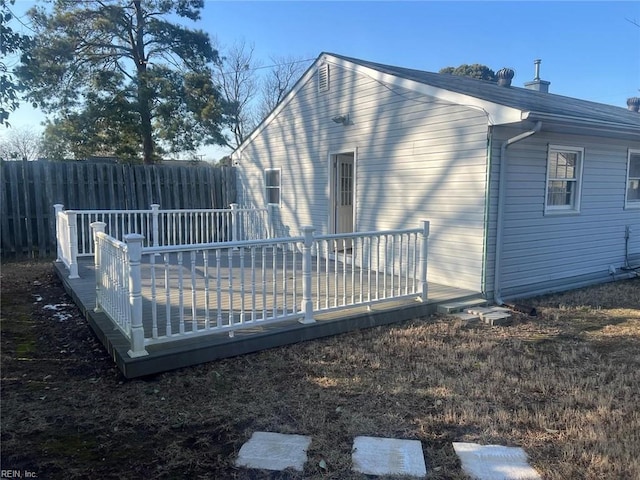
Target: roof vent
point(323, 78)
point(504, 76)
point(633, 104)
point(537, 84)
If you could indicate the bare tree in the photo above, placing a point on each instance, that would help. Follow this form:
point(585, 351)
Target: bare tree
point(279, 80)
point(235, 74)
point(20, 144)
point(250, 89)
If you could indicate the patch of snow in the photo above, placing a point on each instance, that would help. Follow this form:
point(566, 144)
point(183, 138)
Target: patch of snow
point(59, 313)
point(56, 308)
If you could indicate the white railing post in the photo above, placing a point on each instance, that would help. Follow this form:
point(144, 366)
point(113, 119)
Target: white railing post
point(154, 223)
point(58, 207)
point(73, 244)
point(97, 227)
point(134, 255)
point(270, 216)
point(234, 221)
point(307, 301)
point(424, 249)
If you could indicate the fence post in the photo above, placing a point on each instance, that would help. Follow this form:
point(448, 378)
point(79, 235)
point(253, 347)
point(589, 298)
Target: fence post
point(154, 223)
point(234, 222)
point(58, 207)
point(307, 301)
point(97, 227)
point(134, 255)
point(72, 218)
point(424, 238)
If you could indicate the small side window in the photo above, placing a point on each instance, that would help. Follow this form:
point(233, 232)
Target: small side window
point(564, 179)
point(633, 180)
point(272, 185)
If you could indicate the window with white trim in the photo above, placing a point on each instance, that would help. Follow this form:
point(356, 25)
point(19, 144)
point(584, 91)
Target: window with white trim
point(272, 185)
point(633, 179)
point(564, 178)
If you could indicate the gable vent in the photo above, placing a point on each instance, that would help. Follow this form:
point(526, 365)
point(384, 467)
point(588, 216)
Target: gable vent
point(323, 78)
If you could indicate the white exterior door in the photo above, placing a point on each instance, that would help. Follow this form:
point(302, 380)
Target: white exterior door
point(343, 192)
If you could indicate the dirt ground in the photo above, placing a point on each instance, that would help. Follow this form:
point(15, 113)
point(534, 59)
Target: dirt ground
point(563, 385)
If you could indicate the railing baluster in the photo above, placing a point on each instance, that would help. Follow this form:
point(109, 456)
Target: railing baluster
point(205, 268)
point(393, 264)
point(327, 266)
point(253, 283)
point(336, 271)
point(264, 283)
point(294, 269)
point(167, 294)
point(194, 305)
point(385, 276)
point(344, 272)
point(284, 280)
point(357, 251)
point(318, 277)
point(242, 292)
point(274, 255)
point(180, 293)
point(154, 302)
point(230, 270)
point(218, 289)
point(400, 255)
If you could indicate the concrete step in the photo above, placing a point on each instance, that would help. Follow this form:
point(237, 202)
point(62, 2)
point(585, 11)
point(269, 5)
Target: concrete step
point(496, 318)
point(455, 307)
point(492, 316)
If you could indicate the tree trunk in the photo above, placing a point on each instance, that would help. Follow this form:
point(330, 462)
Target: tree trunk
point(145, 121)
point(144, 94)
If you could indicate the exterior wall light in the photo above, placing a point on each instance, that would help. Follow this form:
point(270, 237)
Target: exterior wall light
point(343, 119)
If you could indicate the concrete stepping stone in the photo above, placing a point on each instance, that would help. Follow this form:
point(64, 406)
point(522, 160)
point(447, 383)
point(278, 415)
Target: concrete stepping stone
point(494, 462)
point(496, 318)
point(274, 451)
point(388, 456)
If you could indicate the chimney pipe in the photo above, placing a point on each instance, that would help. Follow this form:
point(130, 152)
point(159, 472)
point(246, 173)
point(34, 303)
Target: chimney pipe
point(633, 104)
point(537, 84)
point(537, 63)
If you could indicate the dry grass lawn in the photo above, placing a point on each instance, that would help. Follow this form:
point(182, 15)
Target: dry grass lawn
point(563, 385)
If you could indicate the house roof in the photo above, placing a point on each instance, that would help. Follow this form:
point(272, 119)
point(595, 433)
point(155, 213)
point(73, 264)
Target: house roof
point(503, 105)
point(534, 105)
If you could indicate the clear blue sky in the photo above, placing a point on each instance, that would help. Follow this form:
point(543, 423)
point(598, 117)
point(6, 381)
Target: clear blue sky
point(589, 50)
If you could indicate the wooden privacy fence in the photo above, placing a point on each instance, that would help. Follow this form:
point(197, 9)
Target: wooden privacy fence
point(28, 191)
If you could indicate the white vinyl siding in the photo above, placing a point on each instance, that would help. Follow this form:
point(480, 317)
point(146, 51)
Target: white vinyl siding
point(564, 179)
point(417, 159)
point(633, 180)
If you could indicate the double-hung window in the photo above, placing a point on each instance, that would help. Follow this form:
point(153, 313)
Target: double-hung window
point(564, 178)
point(272, 185)
point(633, 179)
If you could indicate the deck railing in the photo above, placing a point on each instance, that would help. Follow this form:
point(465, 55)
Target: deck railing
point(159, 227)
point(200, 289)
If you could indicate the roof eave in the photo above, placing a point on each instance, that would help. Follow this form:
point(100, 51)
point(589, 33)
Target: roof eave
point(598, 127)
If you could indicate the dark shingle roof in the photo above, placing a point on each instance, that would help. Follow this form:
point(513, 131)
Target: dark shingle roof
point(514, 97)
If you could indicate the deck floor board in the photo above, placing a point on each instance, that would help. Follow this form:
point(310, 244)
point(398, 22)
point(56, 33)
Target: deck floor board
point(203, 348)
